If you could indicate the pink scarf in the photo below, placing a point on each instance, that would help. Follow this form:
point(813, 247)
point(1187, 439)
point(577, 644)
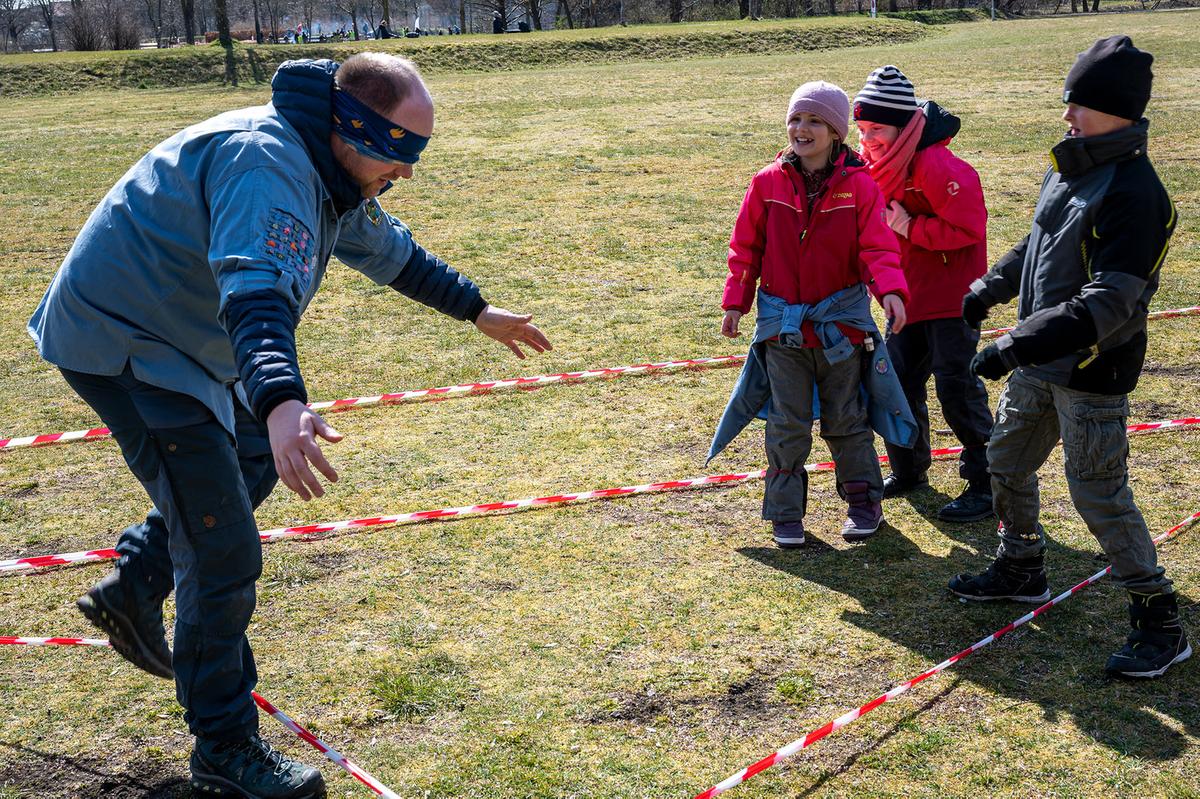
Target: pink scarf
point(891, 171)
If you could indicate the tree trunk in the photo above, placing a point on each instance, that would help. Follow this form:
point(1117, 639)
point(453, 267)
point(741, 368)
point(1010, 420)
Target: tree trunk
point(676, 10)
point(743, 9)
point(565, 5)
point(893, 7)
point(462, 16)
point(387, 13)
point(188, 7)
point(833, 7)
point(258, 34)
point(1095, 6)
point(222, 14)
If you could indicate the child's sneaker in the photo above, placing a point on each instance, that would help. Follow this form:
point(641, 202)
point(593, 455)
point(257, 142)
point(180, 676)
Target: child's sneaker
point(788, 535)
point(863, 516)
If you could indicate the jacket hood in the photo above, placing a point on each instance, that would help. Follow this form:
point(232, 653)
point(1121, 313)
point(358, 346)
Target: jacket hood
point(846, 159)
point(302, 92)
point(940, 125)
point(1074, 156)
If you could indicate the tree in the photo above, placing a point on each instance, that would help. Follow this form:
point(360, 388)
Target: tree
point(46, 7)
point(222, 15)
point(15, 19)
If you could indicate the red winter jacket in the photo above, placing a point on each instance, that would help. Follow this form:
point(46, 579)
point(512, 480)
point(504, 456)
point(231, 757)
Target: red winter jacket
point(946, 247)
point(804, 255)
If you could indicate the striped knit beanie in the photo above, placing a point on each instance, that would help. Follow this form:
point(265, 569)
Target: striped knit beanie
point(887, 98)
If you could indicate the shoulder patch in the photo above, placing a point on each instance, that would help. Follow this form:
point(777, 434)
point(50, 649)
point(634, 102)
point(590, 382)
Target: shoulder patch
point(374, 212)
point(843, 195)
point(952, 187)
point(288, 242)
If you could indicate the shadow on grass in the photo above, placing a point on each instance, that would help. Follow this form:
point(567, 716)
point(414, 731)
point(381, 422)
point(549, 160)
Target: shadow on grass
point(49, 774)
point(1056, 662)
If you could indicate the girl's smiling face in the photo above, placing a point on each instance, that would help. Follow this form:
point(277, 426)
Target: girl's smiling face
point(876, 139)
point(809, 137)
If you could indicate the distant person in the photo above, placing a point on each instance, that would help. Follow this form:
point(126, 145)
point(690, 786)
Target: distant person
point(383, 32)
point(811, 230)
point(174, 316)
point(935, 206)
point(1083, 279)
point(497, 23)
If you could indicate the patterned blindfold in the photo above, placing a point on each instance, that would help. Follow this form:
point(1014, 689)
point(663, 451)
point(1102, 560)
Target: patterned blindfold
point(372, 134)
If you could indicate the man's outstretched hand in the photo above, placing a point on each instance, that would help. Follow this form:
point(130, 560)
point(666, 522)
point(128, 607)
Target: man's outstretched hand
point(293, 430)
point(511, 330)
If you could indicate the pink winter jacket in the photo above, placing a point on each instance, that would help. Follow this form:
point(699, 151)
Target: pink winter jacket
point(803, 255)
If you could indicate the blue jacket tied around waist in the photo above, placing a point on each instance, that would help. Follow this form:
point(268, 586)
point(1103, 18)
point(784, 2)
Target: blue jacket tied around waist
point(887, 409)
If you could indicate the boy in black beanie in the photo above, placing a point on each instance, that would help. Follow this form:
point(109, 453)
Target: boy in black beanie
point(1083, 279)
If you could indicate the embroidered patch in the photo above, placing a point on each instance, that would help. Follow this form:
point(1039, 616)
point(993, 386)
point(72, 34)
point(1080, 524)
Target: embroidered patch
point(374, 212)
point(843, 195)
point(952, 188)
point(881, 366)
point(1078, 202)
point(288, 243)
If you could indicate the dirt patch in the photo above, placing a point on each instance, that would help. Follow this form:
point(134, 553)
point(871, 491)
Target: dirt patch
point(1172, 370)
point(46, 775)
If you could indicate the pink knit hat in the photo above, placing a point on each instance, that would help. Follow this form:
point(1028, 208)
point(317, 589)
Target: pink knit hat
point(825, 101)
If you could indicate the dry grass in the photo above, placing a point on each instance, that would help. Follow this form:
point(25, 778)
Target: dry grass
point(643, 647)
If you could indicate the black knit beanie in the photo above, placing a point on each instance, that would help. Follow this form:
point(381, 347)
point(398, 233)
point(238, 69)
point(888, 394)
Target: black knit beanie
point(1111, 76)
point(886, 99)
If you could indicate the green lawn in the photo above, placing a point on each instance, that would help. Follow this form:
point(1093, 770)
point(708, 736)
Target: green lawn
point(644, 647)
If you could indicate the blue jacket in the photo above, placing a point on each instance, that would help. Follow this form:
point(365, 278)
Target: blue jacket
point(196, 266)
point(887, 408)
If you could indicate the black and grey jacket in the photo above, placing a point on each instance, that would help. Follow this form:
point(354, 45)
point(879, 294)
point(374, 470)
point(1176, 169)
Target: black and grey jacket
point(1086, 272)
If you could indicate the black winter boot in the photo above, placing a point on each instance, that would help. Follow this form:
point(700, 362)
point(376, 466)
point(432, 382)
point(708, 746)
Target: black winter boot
point(133, 620)
point(251, 768)
point(896, 486)
point(972, 505)
point(1021, 580)
point(1157, 641)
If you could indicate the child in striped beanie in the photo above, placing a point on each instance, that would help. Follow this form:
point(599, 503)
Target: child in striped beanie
point(935, 206)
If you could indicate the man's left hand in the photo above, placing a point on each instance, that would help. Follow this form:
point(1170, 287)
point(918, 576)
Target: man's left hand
point(989, 364)
point(898, 218)
point(509, 328)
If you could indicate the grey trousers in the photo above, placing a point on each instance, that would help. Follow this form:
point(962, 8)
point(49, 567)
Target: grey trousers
point(794, 373)
point(1031, 417)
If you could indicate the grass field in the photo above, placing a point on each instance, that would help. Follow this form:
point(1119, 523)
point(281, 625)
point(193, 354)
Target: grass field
point(645, 647)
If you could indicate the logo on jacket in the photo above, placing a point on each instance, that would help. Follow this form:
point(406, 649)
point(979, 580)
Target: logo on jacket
point(1078, 202)
point(374, 212)
point(881, 366)
point(952, 188)
point(843, 195)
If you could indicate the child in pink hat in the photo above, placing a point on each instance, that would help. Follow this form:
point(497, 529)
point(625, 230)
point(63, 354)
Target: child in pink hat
point(811, 238)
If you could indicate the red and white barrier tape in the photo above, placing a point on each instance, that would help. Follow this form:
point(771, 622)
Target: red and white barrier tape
point(349, 766)
point(490, 386)
point(841, 721)
point(26, 564)
point(428, 394)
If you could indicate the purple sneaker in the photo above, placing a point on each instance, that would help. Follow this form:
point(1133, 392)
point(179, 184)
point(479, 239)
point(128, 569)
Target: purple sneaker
point(788, 535)
point(863, 516)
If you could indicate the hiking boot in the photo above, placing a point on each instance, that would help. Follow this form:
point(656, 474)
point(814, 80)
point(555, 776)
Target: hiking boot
point(972, 505)
point(863, 516)
point(896, 486)
point(253, 769)
point(1157, 640)
point(1021, 580)
point(788, 535)
point(133, 620)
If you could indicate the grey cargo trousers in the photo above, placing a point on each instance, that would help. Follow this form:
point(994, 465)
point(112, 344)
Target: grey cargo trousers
point(1031, 417)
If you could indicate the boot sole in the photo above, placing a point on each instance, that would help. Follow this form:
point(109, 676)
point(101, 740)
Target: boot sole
point(122, 635)
point(1150, 675)
point(789, 543)
point(1030, 600)
point(214, 785)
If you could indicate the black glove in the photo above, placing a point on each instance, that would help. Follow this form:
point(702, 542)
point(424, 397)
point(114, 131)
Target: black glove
point(974, 310)
point(989, 363)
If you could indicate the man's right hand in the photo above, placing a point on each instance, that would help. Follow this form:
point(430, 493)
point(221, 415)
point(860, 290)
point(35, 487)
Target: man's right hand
point(293, 429)
point(729, 324)
point(974, 310)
